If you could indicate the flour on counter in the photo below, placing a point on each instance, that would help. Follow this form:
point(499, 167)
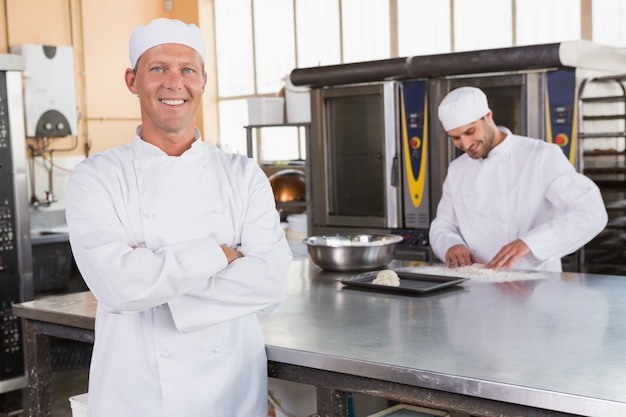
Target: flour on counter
point(478, 272)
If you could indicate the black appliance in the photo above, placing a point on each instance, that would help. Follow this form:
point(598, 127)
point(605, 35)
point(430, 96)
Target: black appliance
point(16, 284)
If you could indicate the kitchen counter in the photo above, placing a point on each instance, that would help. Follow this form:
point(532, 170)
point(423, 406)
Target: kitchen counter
point(552, 346)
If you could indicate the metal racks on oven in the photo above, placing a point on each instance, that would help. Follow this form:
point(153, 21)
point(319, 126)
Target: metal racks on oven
point(602, 157)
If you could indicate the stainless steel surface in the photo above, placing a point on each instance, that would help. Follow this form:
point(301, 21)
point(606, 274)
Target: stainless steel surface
point(579, 53)
point(556, 343)
point(351, 252)
point(428, 66)
point(72, 310)
point(353, 157)
point(357, 72)
point(49, 237)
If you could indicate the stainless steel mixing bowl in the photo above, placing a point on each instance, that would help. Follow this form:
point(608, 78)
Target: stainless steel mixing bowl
point(352, 252)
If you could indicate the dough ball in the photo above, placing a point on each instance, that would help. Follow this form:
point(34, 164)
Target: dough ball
point(387, 277)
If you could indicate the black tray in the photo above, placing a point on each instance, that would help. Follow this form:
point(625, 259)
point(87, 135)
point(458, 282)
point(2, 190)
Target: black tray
point(410, 282)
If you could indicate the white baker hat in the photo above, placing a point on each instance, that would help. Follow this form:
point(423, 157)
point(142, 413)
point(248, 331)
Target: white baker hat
point(161, 31)
point(462, 106)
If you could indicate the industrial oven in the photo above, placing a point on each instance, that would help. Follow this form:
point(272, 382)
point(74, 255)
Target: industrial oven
point(16, 283)
point(378, 153)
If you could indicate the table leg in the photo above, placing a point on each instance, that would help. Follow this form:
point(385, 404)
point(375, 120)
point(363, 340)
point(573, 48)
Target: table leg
point(37, 350)
point(331, 403)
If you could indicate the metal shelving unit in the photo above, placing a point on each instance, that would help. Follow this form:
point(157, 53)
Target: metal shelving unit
point(250, 130)
point(602, 157)
point(253, 131)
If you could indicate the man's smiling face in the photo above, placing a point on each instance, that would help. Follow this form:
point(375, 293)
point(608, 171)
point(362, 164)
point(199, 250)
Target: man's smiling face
point(169, 80)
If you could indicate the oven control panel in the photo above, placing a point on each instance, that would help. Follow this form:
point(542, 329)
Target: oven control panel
point(415, 245)
point(412, 237)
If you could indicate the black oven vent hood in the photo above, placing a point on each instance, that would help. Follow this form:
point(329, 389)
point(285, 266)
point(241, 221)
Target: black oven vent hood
point(581, 53)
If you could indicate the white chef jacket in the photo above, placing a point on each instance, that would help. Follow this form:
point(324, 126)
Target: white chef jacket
point(525, 189)
point(176, 331)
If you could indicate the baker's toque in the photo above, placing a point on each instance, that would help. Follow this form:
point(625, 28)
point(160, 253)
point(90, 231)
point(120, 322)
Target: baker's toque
point(462, 106)
point(161, 31)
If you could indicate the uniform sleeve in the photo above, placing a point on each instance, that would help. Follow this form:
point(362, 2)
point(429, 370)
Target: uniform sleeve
point(579, 213)
point(191, 277)
point(255, 282)
point(124, 278)
point(444, 229)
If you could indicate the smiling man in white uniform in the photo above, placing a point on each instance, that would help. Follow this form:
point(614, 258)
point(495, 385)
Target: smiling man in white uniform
point(181, 244)
point(509, 201)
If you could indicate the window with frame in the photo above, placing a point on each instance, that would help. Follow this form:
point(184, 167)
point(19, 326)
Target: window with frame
point(259, 42)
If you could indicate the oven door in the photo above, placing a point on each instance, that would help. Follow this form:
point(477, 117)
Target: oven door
point(353, 157)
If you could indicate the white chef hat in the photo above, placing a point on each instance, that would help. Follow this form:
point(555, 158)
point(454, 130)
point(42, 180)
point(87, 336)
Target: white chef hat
point(161, 31)
point(462, 106)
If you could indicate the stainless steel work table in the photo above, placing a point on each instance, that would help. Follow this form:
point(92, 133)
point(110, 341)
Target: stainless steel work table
point(549, 347)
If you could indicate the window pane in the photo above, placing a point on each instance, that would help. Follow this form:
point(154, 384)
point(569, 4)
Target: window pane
point(277, 143)
point(233, 117)
point(233, 32)
point(280, 144)
point(558, 20)
point(317, 24)
point(482, 24)
point(274, 43)
point(365, 30)
point(608, 22)
point(423, 27)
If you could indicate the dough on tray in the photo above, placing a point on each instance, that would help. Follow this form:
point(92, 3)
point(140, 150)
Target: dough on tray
point(387, 277)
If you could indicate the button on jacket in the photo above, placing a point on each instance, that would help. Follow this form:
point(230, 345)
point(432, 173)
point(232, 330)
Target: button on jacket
point(176, 327)
point(525, 189)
